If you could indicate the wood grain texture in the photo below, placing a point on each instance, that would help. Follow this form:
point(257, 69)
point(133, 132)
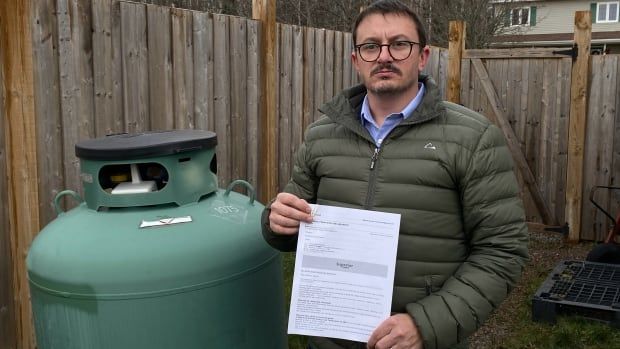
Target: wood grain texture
point(135, 67)
point(159, 41)
point(47, 107)
point(107, 67)
point(20, 158)
point(577, 125)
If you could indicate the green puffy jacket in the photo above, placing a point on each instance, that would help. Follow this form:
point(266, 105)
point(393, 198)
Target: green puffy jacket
point(448, 172)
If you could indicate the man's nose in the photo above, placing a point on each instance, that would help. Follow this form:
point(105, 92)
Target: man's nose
point(384, 54)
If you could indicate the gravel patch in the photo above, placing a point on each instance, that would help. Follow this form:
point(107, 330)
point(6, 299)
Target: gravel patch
point(546, 251)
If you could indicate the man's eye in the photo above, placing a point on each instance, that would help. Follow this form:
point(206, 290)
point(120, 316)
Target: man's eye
point(370, 47)
point(400, 45)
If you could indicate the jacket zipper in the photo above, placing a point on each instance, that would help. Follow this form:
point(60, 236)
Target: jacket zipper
point(372, 178)
point(373, 159)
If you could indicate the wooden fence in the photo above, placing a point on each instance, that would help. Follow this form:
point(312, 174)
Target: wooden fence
point(534, 96)
point(147, 67)
point(104, 66)
point(109, 66)
point(602, 149)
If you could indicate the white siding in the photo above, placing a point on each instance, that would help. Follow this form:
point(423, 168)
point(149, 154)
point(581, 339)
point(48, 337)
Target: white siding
point(553, 17)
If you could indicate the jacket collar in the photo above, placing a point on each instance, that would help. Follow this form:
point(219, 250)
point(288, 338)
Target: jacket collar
point(345, 108)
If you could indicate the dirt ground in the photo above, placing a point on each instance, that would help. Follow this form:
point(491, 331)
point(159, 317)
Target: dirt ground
point(546, 251)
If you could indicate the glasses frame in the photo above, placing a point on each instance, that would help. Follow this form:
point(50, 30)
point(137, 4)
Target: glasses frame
point(358, 48)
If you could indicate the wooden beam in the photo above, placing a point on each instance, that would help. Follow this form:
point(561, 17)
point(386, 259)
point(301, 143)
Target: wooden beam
point(577, 124)
point(455, 54)
point(20, 141)
point(265, 12)
point(515, 53)
point(513, 142)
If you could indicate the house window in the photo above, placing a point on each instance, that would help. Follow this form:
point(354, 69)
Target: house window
point(520, 16)
point(607, 12)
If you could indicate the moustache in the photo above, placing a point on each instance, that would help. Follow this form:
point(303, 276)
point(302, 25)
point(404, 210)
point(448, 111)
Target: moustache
point(386, 67)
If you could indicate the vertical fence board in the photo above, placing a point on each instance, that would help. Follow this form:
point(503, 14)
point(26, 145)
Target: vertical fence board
point(221, 95)
point(354, 78)
point(239, 68)
point(183, 68)
point(253, 98)
point(135, 67)
point(319, 76)
point(76, 82)
point(19, 169)
point(338, 62)
point(544, 158)
point(532, 135)
point(564, 80)
point(328, 67)
point(442, 72)
point(203, 71)
point(284, 116)
point(107, 72)
point(308, 85)
point(47, 104)
point(511, 85)
point(347, 70)
point(465, 82)
point(160, 68)
point(297, 98)
point(523, 111)
point(7, 315)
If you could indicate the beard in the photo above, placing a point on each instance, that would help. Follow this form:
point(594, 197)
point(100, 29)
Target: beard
point(388, 86)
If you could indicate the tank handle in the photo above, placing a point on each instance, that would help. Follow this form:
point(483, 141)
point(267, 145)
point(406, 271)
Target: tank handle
point(75, 196)
point(248, 186)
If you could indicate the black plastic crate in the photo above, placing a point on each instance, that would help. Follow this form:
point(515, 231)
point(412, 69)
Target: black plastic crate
point(587, 289)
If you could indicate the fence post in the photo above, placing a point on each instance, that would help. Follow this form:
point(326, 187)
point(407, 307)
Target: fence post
point(456, 47)
point(21, 154)
point(265, 12)
point(577, 124)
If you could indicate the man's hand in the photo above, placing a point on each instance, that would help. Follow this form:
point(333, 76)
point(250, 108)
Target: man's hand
point(396, 332)
point(286, 213)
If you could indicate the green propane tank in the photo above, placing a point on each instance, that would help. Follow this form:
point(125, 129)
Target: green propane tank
point(156, 256)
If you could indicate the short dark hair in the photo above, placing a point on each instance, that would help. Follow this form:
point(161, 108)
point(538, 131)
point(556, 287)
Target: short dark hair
point(390, 7)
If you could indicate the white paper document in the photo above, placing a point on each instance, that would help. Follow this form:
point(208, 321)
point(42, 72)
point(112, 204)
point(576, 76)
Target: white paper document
point(344, 273)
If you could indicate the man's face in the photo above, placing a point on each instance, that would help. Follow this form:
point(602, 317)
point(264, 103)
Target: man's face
point(387, 76)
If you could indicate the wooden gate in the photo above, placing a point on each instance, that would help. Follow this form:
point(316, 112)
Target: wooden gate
point(526, 92)
point(562, 146)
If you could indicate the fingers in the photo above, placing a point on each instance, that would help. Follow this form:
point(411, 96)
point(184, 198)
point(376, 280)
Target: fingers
point(397, 331)
point(378, 334)
point(286, 213)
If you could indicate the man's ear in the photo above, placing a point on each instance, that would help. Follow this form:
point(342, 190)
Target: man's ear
point(355, 60)
point(424, 55)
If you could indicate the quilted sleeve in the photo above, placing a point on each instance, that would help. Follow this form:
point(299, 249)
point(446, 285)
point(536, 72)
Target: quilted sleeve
point(494, 223)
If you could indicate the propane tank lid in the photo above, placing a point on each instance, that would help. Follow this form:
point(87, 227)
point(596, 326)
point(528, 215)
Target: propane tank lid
point(147, 144)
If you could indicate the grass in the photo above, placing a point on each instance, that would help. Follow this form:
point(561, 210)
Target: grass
point(511, 325)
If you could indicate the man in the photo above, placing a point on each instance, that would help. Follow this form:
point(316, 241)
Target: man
point(392, 145)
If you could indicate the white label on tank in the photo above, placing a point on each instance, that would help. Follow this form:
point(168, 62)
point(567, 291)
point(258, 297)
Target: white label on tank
point(165, 221)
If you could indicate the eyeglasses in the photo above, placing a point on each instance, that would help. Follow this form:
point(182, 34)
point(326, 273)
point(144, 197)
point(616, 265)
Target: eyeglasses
point(398, 50)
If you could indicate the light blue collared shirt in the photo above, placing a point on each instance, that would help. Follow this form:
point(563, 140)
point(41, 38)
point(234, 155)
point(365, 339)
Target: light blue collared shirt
point(379, 133)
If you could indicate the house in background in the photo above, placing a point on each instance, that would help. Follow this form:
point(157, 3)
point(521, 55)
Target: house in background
point(551, 23)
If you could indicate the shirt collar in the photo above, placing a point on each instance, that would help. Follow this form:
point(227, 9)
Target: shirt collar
point(366, 115)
